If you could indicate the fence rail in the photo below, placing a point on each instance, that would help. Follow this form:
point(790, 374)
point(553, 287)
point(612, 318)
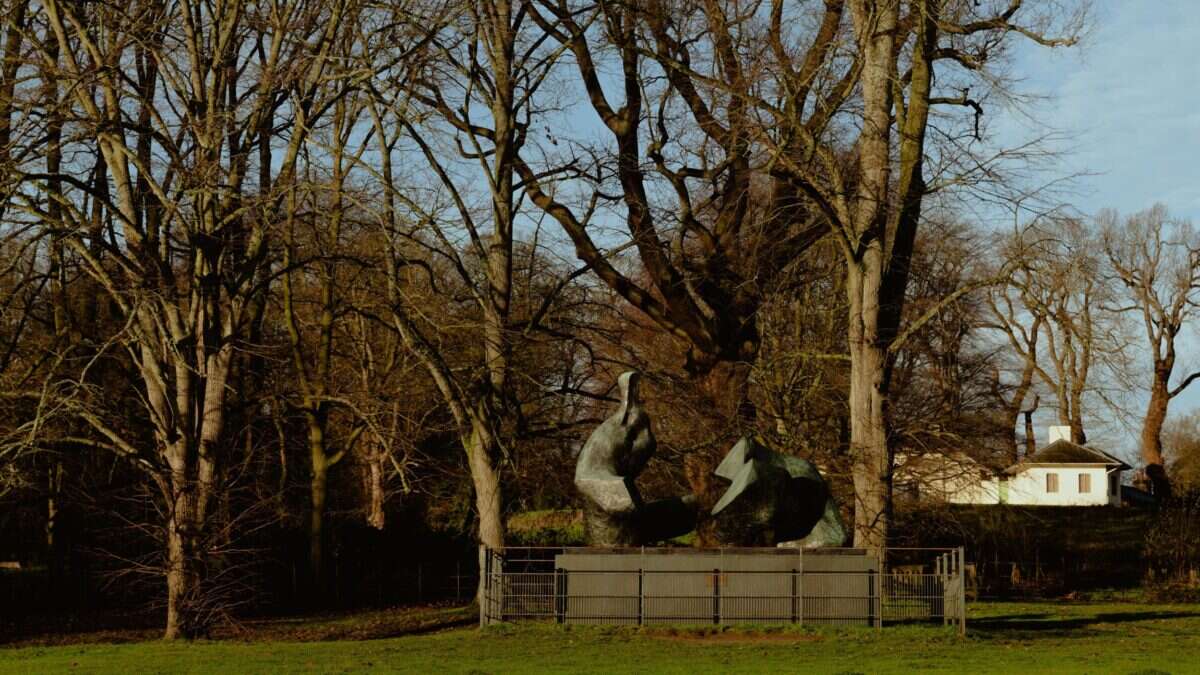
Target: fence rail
point(675, 588)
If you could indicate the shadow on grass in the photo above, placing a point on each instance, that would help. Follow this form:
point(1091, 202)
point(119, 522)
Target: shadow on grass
point(373, 624)
point(1060, 625)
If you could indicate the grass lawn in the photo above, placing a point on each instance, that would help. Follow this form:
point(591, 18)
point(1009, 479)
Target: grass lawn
point(1003, 638)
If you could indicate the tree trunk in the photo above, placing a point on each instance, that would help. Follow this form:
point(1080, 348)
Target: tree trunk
point(1074, 407)
point(870, 451)
point(728, 386)
point(182, 577)
point(1152, 425)
point(866, 266)
point(740, 378)
point(375, 493)
point(1077, 433)
point(375, 458)
point(191, 455)
point(53, 492)
point(481, 450)
point(316, 523)
point(1030, 435)
point(1013, 411)
point(178, 581)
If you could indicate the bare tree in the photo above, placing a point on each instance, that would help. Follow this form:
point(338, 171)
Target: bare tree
point(1056, 313)
point(27, 355)
point(313, 312)
point(161, 97)
point(945, 395)
point(800, 372)
point(714, 236)
point(875, 212)
point(363, 211)
point(396, 406)
point(1015, 395)
point(1023, 333)
point(478, 94)
point(1157, 261)
point(838, 118)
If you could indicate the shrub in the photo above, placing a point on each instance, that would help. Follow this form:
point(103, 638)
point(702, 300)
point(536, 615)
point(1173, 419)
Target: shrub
point(1173, 543)
point(546, 528)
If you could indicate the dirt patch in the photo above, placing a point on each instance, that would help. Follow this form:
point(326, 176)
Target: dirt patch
point(734, 637)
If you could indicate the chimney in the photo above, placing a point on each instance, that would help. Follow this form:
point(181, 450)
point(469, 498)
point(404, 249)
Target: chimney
point(1059, 433)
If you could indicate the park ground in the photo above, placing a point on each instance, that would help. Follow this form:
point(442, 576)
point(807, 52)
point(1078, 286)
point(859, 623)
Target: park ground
point(1049, 637)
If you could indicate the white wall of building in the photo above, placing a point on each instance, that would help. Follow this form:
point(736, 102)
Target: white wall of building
point(1029, 487)
point(956, 480)
point(977, 491)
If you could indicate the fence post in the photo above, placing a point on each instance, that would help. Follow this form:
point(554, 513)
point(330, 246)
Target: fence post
point(795, 580)
point(941, 577)
point(641, 597)
point(879, 576)
point(716, 596)
point(497, 584)
point(962, 591)
point(800, 590)
point(560, 592)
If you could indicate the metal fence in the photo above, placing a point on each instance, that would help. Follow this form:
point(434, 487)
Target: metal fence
point(645, 586)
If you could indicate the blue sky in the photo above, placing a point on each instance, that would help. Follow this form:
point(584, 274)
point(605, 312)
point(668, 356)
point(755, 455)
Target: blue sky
point(1130, 98)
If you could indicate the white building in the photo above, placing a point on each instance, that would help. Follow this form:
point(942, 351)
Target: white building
point(953, 478)
point(1060, 474)
point(1064, 474)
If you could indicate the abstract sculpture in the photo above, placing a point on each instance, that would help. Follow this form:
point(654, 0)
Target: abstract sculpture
point(774, 499)
point(613, 456)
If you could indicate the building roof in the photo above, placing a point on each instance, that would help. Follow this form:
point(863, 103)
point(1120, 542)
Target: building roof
point(1135, 496)
point(1066, 452)
point(942, 462)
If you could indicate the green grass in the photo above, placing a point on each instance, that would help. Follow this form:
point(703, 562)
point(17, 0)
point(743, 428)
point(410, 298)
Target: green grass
point(1003, 638)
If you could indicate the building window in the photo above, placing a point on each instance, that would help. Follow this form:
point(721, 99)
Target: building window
point(1085, 483)
point(1113, 486)
point(1051, 482)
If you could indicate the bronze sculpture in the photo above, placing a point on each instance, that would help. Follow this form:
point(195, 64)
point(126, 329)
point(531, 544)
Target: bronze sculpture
point(611, 459)
point(772, 499)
